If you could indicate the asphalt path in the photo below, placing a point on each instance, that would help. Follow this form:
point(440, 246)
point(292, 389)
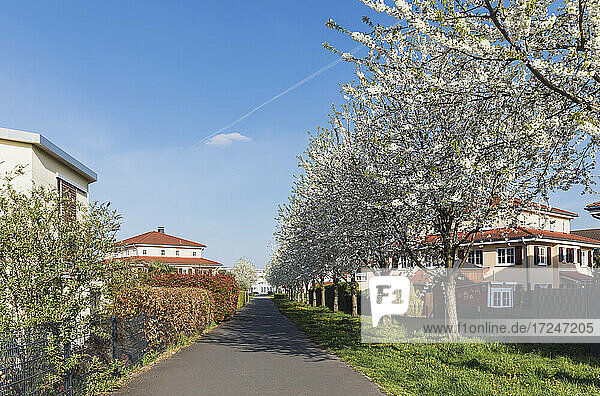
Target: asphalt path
point(258, 352)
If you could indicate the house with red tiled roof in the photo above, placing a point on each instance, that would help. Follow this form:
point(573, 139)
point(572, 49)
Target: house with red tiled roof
point(594, 209)
point(541, 247)
point(183, 255)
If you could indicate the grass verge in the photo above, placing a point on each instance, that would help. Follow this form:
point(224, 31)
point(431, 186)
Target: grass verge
point(451, 369)
point(105, 381)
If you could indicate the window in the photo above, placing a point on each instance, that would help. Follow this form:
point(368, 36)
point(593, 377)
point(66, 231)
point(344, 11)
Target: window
point(68, 199)
point(570, 255)
point(541, 255)
point(583, 258)
point(476, 257)
point(506, 256)
point(361, 277)
point(162, 252)
point(501, 298)
point(144, 252)
point(194, 254)
point(176, 252)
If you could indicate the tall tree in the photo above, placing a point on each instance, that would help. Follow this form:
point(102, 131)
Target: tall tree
point(245, 273)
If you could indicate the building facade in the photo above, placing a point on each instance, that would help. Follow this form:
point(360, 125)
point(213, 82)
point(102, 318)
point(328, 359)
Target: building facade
point(43, 164)
point(541, 247)
point(183, 255)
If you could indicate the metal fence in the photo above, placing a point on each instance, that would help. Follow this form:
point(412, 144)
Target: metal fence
point(29, 357)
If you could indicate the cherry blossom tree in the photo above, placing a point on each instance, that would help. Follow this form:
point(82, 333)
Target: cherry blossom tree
point(245, 273)
point(461, 114)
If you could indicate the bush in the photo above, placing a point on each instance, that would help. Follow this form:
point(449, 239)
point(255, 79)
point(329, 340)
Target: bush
point(223, 290)
point(279, 296)
point(241, 299)
point(344, 296)
point(169, 312)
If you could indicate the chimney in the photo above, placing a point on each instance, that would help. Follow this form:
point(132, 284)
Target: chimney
point(161, 230)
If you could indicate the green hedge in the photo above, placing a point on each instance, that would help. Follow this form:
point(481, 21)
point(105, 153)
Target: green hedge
point(344, 296)
point(279, 296)
point(242, 295)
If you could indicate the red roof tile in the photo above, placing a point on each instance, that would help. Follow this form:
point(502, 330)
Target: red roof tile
point(159, 238)
point(593, 233)
point(593, 205)
point(175, 260)
point(510, 233)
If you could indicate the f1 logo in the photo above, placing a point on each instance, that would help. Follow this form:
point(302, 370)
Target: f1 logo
point(389, 296)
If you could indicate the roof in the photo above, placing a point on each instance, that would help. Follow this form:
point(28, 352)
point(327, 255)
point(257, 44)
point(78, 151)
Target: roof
point(593, 233)
point(553, 210)
point(47, 146)
point(159, 238)
point(176, 260)
point(593, 205)
point(502, 234)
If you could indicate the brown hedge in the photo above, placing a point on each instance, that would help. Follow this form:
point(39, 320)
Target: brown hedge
point(169, 311)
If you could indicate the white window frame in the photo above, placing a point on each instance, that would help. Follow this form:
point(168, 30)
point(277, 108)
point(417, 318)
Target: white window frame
point(542, 255)
point(505, 297)
point(504, 254)
point(361, 277)
point(475, 259)
point(584, 258)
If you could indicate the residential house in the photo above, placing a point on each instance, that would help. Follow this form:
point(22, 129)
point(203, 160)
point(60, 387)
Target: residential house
point(183, 255)
point(261, 286)
point(540, 252)
point(44, 164)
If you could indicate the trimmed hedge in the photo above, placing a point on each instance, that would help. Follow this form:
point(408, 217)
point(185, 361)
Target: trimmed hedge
point(344, 296)
point(223, 289)
point(170, 312)
point(241, 299)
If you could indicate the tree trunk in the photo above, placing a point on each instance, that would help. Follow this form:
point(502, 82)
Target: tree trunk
point(451, 313)
point(335, 294)
point(323, 292)
point(314, 294)
point(354, 298)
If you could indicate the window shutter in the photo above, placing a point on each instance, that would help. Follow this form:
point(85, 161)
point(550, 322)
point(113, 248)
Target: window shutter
point(461, 254)
point(536, 255)
point(579, 256)
point(518, 255)
point(590, 263)
point(561, 254)
point(548, 255)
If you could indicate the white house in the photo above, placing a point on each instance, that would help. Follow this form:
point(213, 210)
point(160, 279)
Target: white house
point(45, 164)
point(156, 246)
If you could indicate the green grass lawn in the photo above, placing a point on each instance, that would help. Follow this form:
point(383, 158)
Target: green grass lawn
point(452, 369)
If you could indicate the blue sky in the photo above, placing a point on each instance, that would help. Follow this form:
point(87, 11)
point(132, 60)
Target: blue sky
point(129, 88)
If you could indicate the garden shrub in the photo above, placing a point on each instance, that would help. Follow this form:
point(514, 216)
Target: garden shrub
point(241, 299)
point(344, 296)
point(223, 289)
point(170, 312)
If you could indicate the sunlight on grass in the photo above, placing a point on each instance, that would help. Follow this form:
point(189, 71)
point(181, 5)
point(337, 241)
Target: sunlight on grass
point(455, 369)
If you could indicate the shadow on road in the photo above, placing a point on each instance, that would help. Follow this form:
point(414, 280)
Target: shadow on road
point(258, 328)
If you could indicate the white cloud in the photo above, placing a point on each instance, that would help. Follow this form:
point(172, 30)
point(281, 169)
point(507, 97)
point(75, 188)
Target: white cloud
point(226, 139)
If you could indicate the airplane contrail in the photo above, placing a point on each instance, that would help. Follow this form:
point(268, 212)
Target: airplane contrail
point(279, 95)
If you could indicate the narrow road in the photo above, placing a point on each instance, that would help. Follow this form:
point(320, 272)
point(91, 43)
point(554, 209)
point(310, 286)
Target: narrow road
point(259, 352)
